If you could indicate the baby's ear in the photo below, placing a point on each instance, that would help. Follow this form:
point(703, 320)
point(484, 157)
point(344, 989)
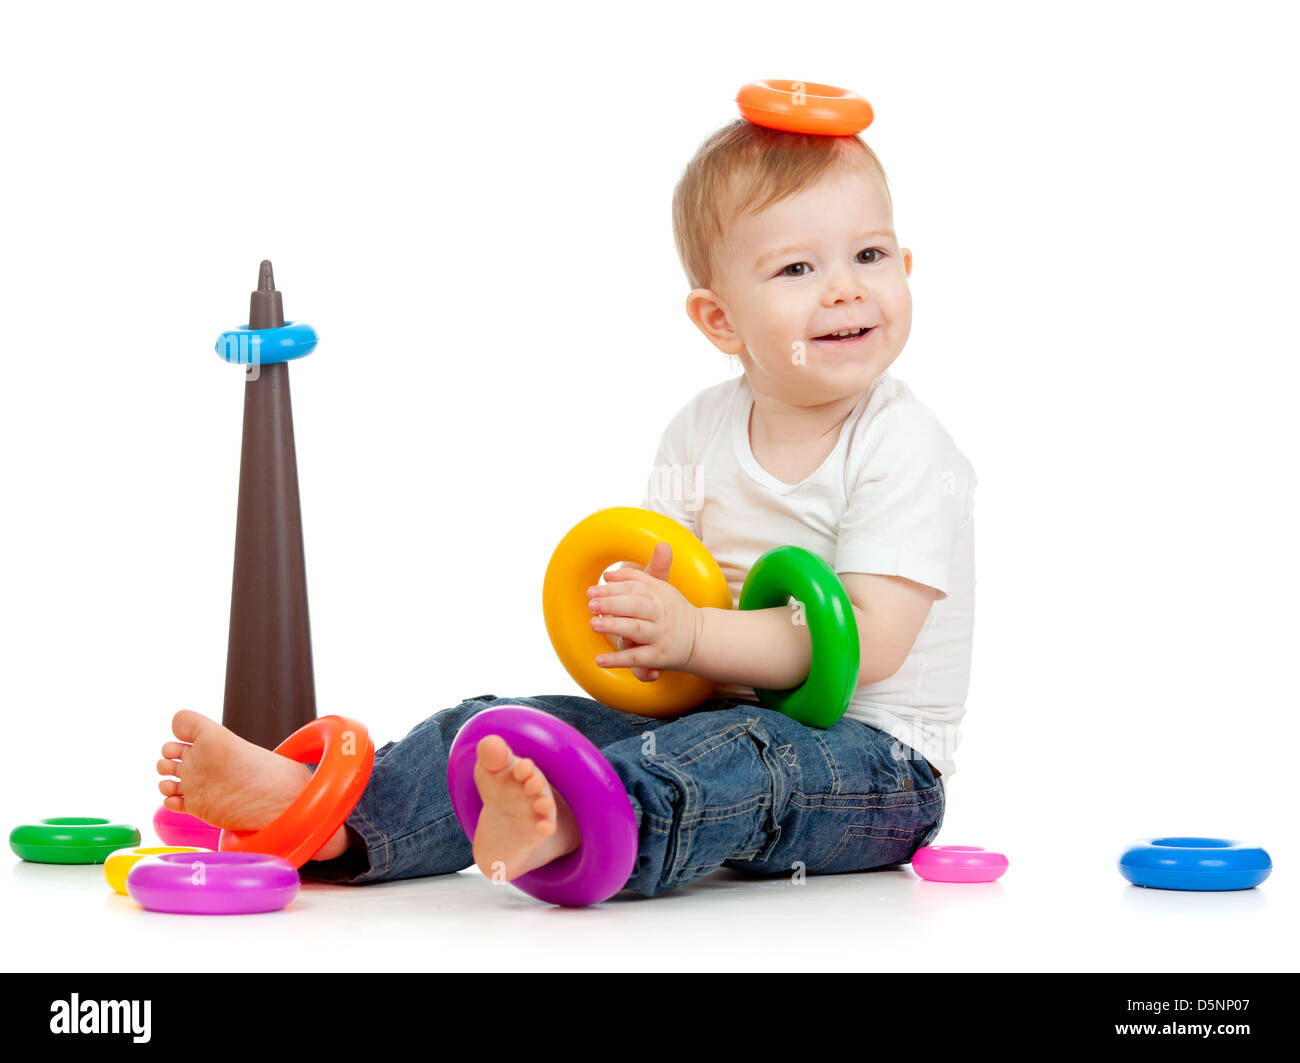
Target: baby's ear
point(704, 308)
point(907, 260)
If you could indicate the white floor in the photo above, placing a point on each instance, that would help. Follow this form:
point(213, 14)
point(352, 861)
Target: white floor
point(1073, 913)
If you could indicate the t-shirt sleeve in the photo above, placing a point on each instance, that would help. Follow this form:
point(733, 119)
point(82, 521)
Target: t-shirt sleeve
point(912, 498)
point(673, 485)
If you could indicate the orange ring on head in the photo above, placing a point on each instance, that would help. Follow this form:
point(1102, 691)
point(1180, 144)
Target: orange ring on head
point(804, 107)
point(608, 536)
point(344, 754)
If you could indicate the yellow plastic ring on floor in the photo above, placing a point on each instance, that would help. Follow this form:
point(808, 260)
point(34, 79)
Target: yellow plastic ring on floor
point(607, 537)
point(120, 863)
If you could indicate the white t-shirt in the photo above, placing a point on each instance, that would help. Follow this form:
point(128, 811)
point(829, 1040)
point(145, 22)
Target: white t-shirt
point(894, 497)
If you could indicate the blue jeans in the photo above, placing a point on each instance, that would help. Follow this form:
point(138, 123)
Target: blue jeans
point(731, 784)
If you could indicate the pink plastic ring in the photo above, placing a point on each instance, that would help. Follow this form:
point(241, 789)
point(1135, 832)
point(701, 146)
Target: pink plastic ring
point(180, 828)
point(958, 863)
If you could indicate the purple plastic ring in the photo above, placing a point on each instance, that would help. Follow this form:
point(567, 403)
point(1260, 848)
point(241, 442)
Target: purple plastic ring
point(603, 862)
point(958, 863)
point(179, 828)
point(212, 883)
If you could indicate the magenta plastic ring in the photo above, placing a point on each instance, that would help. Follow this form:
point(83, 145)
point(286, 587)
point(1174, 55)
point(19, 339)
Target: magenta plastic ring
point(180, 828)
point(958, 863)
point(602, 864)
point(212, 883)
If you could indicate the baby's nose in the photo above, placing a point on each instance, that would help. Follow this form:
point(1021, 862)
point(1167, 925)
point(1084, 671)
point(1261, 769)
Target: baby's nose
point(844, 287)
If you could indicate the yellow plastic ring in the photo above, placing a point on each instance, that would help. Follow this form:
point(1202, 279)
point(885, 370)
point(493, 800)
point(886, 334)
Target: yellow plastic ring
point(118, 864)
point(608, 536)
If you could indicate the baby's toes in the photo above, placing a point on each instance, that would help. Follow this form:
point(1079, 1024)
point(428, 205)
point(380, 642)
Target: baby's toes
point(188, 725)
point(524, 767)
point(493, 753)
point(176, 804)
point(537, 787)
point(174, 750)
point(169, 767)
point(169, 788)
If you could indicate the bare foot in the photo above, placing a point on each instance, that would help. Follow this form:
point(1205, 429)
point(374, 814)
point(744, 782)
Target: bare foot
point(229, 782)
point(524, 823)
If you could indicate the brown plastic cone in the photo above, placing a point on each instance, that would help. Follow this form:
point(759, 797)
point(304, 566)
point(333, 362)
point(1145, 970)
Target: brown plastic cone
point(270, 690)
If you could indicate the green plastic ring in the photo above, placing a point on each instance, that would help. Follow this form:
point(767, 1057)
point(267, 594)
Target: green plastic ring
point(71, 840)
point(791, 571)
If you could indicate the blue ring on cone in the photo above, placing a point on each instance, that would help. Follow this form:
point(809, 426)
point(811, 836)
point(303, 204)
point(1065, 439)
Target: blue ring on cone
point(266, 346)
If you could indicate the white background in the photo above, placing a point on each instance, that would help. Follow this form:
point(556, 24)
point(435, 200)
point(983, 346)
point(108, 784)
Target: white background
point(471, 205)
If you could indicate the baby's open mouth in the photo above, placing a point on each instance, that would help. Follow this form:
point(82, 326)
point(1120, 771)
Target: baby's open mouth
point(843, 335)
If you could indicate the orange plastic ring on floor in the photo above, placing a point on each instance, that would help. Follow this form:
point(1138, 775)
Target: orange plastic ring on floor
point(608, 536)
point(804, 107)
point(345, 755)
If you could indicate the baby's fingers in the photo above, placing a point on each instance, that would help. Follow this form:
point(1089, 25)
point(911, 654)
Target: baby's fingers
point(646, 675)
point(638, 605)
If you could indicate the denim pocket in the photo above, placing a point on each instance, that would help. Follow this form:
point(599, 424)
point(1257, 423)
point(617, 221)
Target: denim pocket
point(864, 846)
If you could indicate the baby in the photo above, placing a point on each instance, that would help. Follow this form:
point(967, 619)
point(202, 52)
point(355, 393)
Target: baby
point(788, 243)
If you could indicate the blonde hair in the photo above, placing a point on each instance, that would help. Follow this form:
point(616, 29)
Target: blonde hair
point(744, 168)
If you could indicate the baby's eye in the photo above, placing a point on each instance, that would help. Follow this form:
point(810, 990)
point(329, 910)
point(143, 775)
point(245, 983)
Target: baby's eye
point(796, 269)
point(878, 252)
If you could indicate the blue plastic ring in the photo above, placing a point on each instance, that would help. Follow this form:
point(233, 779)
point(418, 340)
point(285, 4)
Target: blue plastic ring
point(1195, 864)
point(266, 346)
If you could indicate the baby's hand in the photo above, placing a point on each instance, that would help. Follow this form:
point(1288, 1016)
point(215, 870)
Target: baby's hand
point(658, 567)
point(655, 624)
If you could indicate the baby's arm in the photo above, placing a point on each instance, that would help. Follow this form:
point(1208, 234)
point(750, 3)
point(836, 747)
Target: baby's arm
point(767, 648)
point(890, 611)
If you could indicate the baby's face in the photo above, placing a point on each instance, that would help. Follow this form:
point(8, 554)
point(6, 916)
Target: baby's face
point(789, 278)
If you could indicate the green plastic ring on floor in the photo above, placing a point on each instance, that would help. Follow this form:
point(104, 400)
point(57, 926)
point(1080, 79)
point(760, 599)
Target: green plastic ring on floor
point(791, 571)
point(71, 840)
